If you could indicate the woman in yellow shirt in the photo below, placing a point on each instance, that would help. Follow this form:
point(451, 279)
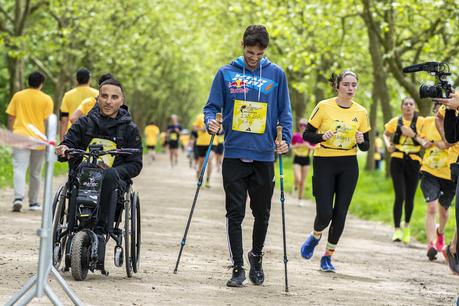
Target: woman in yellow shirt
point(436, 184)
point(340, 126)
point(404, 144)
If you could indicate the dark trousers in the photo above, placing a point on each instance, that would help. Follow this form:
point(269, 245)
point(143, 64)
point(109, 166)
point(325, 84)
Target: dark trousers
point(405, 178)
point(112, 188)
point(256, 179)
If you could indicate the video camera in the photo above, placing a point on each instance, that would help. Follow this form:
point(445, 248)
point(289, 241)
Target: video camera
point(441, 71)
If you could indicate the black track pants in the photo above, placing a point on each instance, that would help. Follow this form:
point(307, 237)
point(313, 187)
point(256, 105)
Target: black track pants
point(405, 178)
point(112, 187)
point(334, 178)
point(256, 179)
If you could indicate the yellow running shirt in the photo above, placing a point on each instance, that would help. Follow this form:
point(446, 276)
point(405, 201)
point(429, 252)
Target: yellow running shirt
point(203, 137)
point(378, 147)
point(151, 135)
point(74, 97)
point(30, 106)
point(436, 161)
point(345, 122)
point(406, 144)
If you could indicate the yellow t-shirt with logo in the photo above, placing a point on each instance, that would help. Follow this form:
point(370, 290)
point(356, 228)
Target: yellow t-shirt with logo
point(73, 98)
point(406, 144)
point(86, 105)
point(30, 106)
point(151, 132)
point(435, 161)
point(345, 122)
point(203, 137)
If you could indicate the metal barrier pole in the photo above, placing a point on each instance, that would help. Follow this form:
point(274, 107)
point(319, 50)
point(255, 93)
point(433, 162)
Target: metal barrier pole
point(45, 260)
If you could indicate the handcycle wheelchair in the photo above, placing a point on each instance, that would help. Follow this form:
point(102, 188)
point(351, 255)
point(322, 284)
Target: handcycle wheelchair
point(76, 206)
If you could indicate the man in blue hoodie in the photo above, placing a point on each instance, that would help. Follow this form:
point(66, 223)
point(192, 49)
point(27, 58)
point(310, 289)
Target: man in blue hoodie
point(252, 95)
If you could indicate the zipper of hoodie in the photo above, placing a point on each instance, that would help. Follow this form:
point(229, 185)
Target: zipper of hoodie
point(253, 76)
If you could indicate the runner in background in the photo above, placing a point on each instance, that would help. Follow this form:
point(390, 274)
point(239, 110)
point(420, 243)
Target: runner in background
point(202, 143)
point(404, 144)
point(151, 132)
point(341, 126)
point(379, 151)
point(301, 160)
point(87, 104)
point(436, 184)
point(173, 135)
point(163, 141)
point(74, 97)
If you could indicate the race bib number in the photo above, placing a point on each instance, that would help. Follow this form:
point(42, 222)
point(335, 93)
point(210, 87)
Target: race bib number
point(173, 137)
point(344, 137)
point(249, 116)
point(107, 145)
point(436, 159)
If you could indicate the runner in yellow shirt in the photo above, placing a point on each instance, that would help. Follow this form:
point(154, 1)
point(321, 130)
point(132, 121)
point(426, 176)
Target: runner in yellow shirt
point(151, 132)
point(379, 151)
point(436, 184)
point(28, 106)
point(87, 104)
point(404, 144)
point(202, 143)
point(73, 98)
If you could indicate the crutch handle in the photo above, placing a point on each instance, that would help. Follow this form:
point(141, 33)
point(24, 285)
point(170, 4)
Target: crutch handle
point(219, 117)
point(279, 134)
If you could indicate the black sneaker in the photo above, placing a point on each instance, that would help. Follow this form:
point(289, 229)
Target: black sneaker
point(17, 205)
point(34, 207)
point(238, 277)
point(256, 274)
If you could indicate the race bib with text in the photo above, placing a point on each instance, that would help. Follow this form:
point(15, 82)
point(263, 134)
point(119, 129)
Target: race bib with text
point(249, 116)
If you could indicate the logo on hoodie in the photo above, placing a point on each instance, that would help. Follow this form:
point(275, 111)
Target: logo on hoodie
point(240, 83)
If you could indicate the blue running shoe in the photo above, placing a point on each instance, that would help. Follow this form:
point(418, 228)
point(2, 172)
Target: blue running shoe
point(326, 265)
point(307, 249)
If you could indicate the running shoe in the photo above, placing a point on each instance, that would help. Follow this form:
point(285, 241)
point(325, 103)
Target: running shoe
point(431, 251)
point(326, 265)
point(440, 242)
point(453, 260)
point(237, 278)
point(397, 236)
point(307, 249)
point(34, 207)
point(256, 274)
point(406, 235)
point(17, 205)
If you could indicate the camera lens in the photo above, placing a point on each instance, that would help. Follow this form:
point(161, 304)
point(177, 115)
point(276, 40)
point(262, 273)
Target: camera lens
point(428, 91)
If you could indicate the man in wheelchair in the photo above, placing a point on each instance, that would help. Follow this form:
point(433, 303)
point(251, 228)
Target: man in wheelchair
point(108, 129)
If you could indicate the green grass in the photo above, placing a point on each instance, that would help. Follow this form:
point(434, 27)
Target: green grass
point(6, 167)
point(373, 199)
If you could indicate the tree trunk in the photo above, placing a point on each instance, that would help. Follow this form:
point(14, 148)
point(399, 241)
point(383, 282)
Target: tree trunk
point(298, 102)
point(16, 75)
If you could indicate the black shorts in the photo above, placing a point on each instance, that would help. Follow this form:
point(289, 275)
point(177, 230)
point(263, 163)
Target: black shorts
point(151, 147)
point(173, 144)
point(301, 160)
point(219, 149)
point(202, 150)
point(435, 188)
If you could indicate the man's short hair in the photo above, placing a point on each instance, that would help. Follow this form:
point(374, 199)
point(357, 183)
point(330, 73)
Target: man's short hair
point(113, 82)
point(82, 76)
point(104, 77)
point(256, 35)
point(36, 78)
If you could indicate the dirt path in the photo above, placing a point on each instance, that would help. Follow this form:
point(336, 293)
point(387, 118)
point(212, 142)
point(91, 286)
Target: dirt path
point(371, 269)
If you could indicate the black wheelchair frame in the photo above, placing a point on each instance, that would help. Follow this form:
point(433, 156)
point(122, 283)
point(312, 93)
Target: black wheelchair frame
point(81, 248)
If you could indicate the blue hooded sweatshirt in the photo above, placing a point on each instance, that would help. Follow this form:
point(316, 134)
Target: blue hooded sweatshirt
point(266, 84)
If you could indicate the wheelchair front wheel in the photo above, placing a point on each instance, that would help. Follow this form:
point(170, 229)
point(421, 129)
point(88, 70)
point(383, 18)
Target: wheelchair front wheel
point(81, 247)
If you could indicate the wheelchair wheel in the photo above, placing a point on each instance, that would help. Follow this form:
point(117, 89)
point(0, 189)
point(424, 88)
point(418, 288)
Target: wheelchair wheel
point(128, 232)
point(135, 232)
point(59, 225)
point(81, 246)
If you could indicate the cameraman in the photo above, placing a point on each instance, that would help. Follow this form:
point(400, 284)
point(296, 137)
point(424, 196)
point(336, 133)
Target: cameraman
point(110, 124)
point(450, 125)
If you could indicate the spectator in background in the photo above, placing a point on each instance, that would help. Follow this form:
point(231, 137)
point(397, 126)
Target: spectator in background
point(74, 97)
point(28, 107)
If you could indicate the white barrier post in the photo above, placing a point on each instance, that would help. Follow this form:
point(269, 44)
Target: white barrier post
point(45, 260)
